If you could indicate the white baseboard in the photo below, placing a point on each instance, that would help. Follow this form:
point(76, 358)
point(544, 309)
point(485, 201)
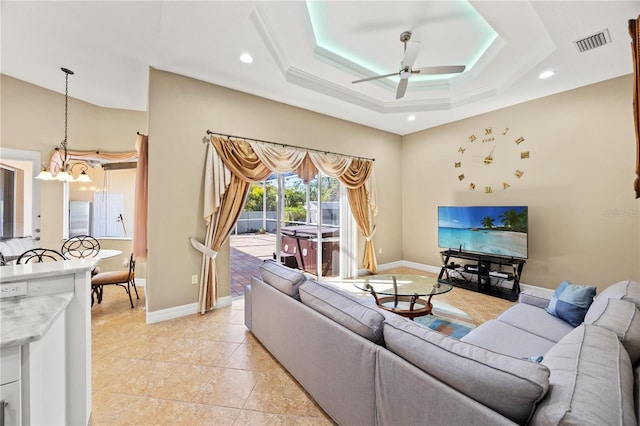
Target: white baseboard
point(182, 311)
point(223, 301)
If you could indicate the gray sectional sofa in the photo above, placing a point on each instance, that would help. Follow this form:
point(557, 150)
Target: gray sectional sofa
point(12, 248)
point(366, 366)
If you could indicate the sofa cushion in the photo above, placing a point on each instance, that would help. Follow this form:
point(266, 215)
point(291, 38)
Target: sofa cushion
point(350, 311)
point(508, 385)
point(626, 290)
point(536, 321)
point(503, 338)
point(283, 278)
point(591, 381)
point(11, 247)
point(623, 318)
point(571, 301)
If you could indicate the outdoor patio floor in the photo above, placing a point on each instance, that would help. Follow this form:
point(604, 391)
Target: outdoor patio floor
point(248, 251)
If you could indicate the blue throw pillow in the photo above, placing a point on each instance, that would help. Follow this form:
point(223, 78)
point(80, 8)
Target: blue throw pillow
point(570, 302)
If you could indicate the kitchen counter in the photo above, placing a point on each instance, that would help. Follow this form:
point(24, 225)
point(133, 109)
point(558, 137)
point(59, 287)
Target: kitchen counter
point(26, 319)
point(45, 342)
point(10, 273)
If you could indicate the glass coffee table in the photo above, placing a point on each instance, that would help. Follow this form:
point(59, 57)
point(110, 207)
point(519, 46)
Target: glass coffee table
point(403, 294)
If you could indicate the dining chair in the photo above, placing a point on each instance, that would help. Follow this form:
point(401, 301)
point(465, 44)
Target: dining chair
point(80, 247)
point(39, 255)
point(125, 279)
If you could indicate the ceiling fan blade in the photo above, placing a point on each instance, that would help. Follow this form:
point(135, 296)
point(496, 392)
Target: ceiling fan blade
point(402, 88)
point(410, 54)
point(376, 77)
point(444, 69)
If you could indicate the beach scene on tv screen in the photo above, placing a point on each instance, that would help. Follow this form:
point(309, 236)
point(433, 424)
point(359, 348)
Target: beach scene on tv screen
point(497, 230)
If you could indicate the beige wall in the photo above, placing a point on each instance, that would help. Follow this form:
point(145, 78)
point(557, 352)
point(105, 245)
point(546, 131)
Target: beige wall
point(32, 118)
point(584, 222)
point(180, 111)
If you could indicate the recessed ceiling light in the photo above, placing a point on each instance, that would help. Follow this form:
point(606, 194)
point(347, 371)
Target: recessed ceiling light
point(246, 58)
point(411, 117)
point(545, 74)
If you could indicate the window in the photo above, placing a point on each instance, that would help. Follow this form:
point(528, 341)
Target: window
point(7, 201)
point(304, 237)
point(104, 207)
point(20, 210)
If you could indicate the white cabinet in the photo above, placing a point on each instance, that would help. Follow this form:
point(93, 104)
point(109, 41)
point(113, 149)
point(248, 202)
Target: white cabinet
point(45, 344)
point(44, 377)
point(10, 405)
point(33, 379)
point(10, 386)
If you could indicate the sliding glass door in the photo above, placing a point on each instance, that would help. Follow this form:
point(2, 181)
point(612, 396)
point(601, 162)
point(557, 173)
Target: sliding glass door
point(306, 221)
point(310, 224)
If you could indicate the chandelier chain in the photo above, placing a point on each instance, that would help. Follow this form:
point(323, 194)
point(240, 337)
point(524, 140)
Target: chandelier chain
point(66, 106)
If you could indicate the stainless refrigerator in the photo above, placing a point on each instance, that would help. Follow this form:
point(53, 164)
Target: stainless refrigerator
point(80, 214)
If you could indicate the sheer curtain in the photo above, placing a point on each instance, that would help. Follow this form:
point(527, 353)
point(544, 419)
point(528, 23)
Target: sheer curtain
point(141, 209)
point(230, 168)
point(55, 158)
point(233, 164)
point(634, 31)
point(362, 205)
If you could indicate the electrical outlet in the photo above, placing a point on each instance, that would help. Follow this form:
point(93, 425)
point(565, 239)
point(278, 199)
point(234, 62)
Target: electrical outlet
point(13, 289)
point(194, 279)
point(380, 250)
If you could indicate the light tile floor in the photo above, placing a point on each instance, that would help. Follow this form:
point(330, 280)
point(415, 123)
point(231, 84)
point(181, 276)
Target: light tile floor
point(205, 369)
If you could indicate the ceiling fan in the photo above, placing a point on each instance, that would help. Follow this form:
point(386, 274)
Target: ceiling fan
point(407, 70)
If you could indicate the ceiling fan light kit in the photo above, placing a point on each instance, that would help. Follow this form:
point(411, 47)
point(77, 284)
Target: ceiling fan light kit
point(411, 49)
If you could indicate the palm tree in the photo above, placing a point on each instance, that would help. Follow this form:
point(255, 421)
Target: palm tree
point(487, 222)
point(515, 221)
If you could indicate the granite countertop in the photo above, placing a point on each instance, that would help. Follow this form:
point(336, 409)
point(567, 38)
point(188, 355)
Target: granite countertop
point(10, 273)
point(27, 319)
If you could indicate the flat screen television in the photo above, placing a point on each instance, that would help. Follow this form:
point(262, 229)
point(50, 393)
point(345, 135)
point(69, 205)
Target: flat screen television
point(493, 230)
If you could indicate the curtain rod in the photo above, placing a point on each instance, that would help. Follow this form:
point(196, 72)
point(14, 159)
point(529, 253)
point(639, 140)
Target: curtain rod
point(209, 132)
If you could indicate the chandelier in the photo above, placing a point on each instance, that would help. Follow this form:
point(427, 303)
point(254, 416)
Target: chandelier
point(63, 171)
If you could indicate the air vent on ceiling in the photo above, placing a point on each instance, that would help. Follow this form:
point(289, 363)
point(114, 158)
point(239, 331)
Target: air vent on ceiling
point(591, 42)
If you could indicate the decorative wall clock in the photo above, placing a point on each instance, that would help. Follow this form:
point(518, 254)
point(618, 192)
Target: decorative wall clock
point(491, 161)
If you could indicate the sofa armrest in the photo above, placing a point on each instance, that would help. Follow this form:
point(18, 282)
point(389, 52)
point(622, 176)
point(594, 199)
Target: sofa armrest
point(535, 298)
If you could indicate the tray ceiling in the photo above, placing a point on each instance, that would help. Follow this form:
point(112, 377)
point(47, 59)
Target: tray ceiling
point(307, 54)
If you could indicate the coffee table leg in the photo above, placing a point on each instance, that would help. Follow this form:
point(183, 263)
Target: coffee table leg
point(395, 292)
point(412, 301)
point(373, 293)
point(429, 305)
